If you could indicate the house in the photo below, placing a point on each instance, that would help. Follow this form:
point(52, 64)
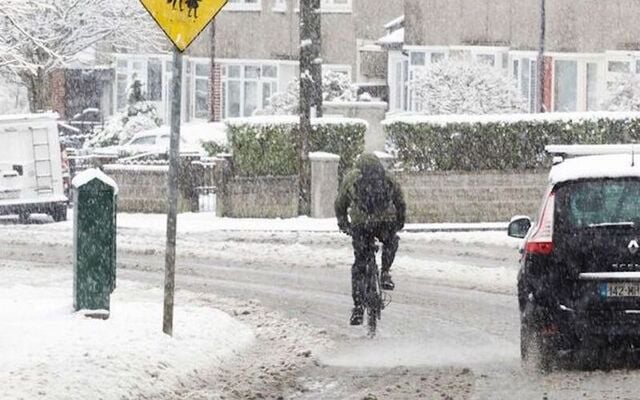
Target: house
point(257, 50)
point(588, 45)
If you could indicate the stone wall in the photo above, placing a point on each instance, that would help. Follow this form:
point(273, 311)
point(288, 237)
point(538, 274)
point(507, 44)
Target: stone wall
point(140, 188)
point(471, 197)
point(259, 197)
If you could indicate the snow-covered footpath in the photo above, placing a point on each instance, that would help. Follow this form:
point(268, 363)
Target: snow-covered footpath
point(47, 351)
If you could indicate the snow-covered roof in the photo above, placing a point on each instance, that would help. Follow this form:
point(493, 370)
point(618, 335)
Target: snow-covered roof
point(394, 22)
point(606, 166)
point(580, 150)
point(28, 117)
point(508, 118)
point(87, 176)
point(395, 37)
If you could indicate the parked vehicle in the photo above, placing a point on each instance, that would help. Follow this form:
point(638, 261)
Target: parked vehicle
point(31, 171)
point(579, 278)
point(154, 141)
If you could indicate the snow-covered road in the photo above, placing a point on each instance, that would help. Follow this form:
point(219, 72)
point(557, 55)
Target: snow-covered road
point(452, 330)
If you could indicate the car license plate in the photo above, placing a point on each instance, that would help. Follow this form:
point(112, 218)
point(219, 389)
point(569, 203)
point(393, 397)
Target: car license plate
point(622, 289)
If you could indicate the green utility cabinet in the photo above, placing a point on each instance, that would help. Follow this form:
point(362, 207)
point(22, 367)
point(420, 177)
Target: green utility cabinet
point(94, 240)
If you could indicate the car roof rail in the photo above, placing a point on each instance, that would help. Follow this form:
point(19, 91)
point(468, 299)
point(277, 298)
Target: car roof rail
point(564, 151)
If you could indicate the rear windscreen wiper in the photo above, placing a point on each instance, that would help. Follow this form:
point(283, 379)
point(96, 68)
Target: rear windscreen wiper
point(628, 224)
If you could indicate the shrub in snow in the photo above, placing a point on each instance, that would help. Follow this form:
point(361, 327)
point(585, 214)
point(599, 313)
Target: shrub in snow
point(459, 87)
point(624, 94)
point(335, 87)
point(264, 146)
point(500, 142)
point(140, 115)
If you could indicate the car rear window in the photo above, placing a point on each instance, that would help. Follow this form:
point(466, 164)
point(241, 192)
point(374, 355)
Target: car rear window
point(591, 203)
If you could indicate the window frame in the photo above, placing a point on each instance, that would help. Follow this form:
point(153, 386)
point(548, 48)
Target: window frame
point(279, 6)
point(242, 80)
point(243, 5)
point(516, 64)
point(582, 91)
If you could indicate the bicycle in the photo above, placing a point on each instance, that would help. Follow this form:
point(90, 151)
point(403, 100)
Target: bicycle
point(374, 298)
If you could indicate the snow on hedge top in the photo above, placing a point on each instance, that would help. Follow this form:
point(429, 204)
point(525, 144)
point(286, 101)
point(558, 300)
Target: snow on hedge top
point(507, 118)
point(607, 166)
point(292, 120)
point(87, 176)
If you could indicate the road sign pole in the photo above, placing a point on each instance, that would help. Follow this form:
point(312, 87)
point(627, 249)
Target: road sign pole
point(174, 167)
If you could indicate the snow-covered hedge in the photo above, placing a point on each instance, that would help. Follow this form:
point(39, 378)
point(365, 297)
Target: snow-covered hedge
point(267, 145)
point(499, 142)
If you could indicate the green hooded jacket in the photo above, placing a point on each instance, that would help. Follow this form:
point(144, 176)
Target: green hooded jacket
point(350, 209)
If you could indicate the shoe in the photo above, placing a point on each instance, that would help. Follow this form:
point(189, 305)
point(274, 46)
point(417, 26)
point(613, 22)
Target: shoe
point(387, 282)
point(356, 316)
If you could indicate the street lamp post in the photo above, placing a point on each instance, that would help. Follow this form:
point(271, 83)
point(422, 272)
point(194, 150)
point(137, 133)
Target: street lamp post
point(541, 72)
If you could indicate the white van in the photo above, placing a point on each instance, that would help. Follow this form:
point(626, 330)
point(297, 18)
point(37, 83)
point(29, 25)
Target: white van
point(31, 178)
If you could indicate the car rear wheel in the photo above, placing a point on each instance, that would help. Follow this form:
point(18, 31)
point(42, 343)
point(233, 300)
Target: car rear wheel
point(536, 351)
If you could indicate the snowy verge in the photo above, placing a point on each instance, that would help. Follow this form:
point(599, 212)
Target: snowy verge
point(50, 352)
point(204, 222)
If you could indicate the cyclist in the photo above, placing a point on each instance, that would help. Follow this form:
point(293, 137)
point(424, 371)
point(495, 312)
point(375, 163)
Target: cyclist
point(370, 205)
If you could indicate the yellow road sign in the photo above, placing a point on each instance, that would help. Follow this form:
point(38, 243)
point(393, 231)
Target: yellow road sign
point(183, 20)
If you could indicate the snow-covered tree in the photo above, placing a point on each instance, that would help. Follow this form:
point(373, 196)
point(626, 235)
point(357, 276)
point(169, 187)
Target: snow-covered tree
point(140, 115)
point(624, 94)
point(39, 36)
point(462, 87)
point(335, 87)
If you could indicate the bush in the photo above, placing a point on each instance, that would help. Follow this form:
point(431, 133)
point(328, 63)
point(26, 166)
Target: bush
point(500, 142)
point(263, 146)
point(335, 87)
point(140, 115)
point(460, 87)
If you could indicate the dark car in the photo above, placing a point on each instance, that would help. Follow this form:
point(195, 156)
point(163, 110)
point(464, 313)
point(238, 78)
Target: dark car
point(579, 278)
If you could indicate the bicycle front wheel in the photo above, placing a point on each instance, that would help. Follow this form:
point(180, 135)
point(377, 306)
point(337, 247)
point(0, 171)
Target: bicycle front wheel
point(374, 301)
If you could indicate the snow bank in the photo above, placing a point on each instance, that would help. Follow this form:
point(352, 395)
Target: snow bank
point(50, 352)
point(507, 118)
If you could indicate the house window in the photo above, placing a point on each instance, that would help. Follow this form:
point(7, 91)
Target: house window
point(154, 80)
point(332, 6)
point(623, 67)
point(280, 6)
point(247, 88)
point(566, 85)
point(336, 5)
point(244, 5)
point(525, 75)
point(592, 87)
point(418, 58)
point(436, 57)
point(201, 85)
point(486, 59)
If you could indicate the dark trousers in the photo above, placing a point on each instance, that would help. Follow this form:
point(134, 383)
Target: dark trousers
point(363, 240)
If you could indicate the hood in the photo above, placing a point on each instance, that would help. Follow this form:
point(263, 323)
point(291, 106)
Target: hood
point(369, 161)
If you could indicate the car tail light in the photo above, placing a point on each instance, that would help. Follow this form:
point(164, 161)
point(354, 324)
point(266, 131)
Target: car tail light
point(541, 241)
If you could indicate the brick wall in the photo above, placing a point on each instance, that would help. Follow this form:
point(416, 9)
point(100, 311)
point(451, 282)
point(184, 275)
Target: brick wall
point(471, 197)
point(141, 188)
point(261, 197)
